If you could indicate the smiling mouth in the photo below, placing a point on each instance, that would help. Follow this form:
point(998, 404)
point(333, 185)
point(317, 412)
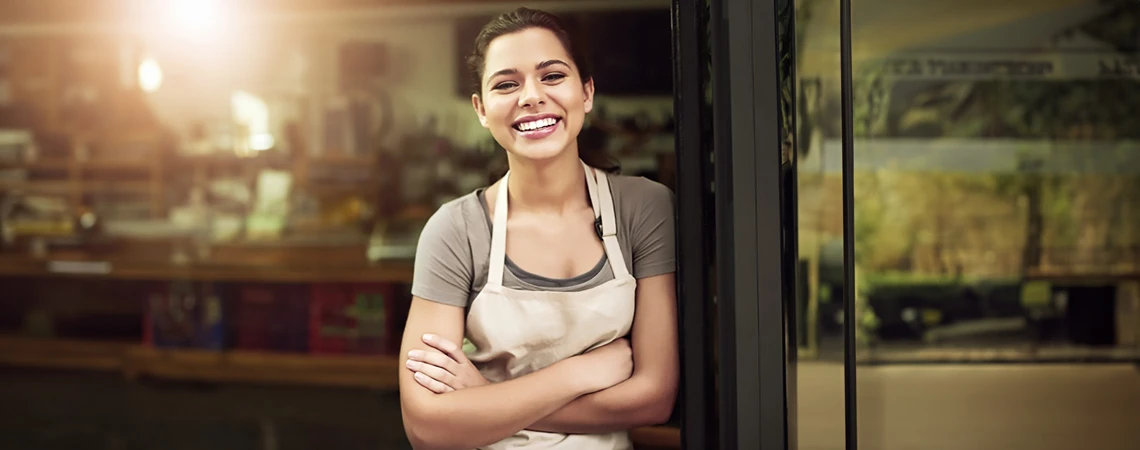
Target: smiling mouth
point(535, 125)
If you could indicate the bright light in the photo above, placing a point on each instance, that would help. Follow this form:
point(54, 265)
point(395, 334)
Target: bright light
point(251, 114)
point(196, 15)
point(150, 75)
point(261, 142)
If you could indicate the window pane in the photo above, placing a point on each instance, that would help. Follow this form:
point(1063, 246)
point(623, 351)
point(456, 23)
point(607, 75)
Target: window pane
point(819, 272)
point(997, 194)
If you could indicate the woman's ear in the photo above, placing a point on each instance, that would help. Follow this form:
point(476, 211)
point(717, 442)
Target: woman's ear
point(477, 103)
point(588, 90)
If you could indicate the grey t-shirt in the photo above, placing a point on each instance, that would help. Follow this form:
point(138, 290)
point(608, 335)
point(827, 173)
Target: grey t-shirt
point(455, 245)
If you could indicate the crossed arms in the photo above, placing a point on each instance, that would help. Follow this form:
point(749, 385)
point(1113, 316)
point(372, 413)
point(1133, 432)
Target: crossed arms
point(448, 405)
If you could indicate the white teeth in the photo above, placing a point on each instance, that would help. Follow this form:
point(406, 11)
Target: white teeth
point(536, 124)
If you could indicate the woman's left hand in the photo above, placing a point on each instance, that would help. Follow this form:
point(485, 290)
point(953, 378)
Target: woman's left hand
point(445, 370)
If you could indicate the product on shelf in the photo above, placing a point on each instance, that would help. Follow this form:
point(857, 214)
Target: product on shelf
point(271, 317)
point(184, 314)
point(354, 318)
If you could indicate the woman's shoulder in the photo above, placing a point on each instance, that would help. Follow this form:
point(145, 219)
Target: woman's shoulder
point(635, 191)
point(444, 265)
point(453, 218)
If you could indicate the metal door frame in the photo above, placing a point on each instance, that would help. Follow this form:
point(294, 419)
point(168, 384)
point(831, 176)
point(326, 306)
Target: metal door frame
point(738, 352)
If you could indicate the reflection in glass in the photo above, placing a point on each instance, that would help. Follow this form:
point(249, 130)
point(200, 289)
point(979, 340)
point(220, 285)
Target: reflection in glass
point(997, 209)
point(819, 382)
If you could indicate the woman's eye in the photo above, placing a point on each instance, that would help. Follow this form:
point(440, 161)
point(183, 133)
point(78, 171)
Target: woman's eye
point(504, 85)
point(553, 77)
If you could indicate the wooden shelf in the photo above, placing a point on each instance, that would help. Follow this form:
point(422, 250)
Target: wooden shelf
point(64, 187)
point(39, 187)
point(390, 272)
point(374, 372)
point(234, 366)
point(66, 164)
point(284, 261)
point(62, 354)
point(231, 366)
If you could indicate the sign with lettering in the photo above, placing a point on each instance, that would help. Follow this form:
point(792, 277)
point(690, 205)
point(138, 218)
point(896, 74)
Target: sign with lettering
point(998, 66)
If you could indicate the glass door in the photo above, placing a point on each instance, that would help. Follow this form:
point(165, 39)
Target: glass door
point(995, 191)
point(916, 209)
point(967, 195)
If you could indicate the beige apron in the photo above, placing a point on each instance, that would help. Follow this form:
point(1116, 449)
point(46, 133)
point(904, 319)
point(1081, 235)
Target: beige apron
point(517, 332)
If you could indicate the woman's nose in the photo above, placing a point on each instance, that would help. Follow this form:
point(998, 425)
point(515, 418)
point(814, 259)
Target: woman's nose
point(531, 95)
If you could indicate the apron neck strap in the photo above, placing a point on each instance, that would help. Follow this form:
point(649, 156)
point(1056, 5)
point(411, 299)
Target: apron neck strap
point(605, 207)
point(499, 236)
point(592, 187)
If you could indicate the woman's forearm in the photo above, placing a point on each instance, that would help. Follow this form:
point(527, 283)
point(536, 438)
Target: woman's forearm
point(475, 417)
point(636, 402)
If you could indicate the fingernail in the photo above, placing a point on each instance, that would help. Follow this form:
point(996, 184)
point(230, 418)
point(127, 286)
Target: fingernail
point(420, 376)
point(429, 337)
point(415, 354)
point(413, 364)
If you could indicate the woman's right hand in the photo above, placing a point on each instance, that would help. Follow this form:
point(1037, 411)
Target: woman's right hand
point(607, 365)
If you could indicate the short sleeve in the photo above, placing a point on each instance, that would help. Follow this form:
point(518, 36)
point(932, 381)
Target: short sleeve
point(652, 231)
point(443, 264)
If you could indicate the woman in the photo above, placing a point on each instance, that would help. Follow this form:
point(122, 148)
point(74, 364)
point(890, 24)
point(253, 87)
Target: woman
point(545, 272)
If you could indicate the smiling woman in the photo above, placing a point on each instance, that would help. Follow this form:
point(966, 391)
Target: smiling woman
point(557, 310)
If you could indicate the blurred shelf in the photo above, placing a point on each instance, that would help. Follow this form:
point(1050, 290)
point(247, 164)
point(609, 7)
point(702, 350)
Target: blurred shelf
point(134, 361)
point(231, 162)
point(38, 187)
point(284, 260)
point(66, 186)
point(230, 366)
point(67, 163)
point(335, 159)
point(393, 272)
point(61, 354)
point(135, 187)
point(237, 366)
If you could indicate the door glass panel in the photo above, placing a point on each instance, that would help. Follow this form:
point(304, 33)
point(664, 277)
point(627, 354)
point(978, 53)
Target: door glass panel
point(997, 221)
point(819, 310)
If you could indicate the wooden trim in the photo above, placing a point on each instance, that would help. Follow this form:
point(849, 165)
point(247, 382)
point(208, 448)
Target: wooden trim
point(230, 366)
point(235, 366)
point(61, 354)
point(387, 272)
point(656, 438)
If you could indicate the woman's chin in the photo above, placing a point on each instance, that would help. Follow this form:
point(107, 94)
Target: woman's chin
point(539, 151)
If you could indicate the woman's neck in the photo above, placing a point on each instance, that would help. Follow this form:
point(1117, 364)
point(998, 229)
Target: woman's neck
point(554, 186)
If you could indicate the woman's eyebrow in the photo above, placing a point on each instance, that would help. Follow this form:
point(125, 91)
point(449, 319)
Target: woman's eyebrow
point(539, 66)
point(503, 72)
point(550, 62)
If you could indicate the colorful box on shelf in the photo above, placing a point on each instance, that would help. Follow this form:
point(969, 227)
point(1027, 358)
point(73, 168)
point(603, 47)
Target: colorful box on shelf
point(317, 318)
point(354, 318)
point(184, 314)
point(271, 316)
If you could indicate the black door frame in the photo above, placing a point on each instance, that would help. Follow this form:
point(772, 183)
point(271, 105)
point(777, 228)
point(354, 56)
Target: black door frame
point(744, 403)
point(695, 220)
point(753, 332)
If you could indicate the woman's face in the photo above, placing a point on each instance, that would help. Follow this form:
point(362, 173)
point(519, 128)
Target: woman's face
point(533, 99)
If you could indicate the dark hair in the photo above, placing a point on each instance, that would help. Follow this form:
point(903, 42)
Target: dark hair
point(523, 19)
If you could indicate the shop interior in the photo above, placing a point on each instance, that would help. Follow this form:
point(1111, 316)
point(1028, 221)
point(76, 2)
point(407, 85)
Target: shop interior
point(210, 209)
